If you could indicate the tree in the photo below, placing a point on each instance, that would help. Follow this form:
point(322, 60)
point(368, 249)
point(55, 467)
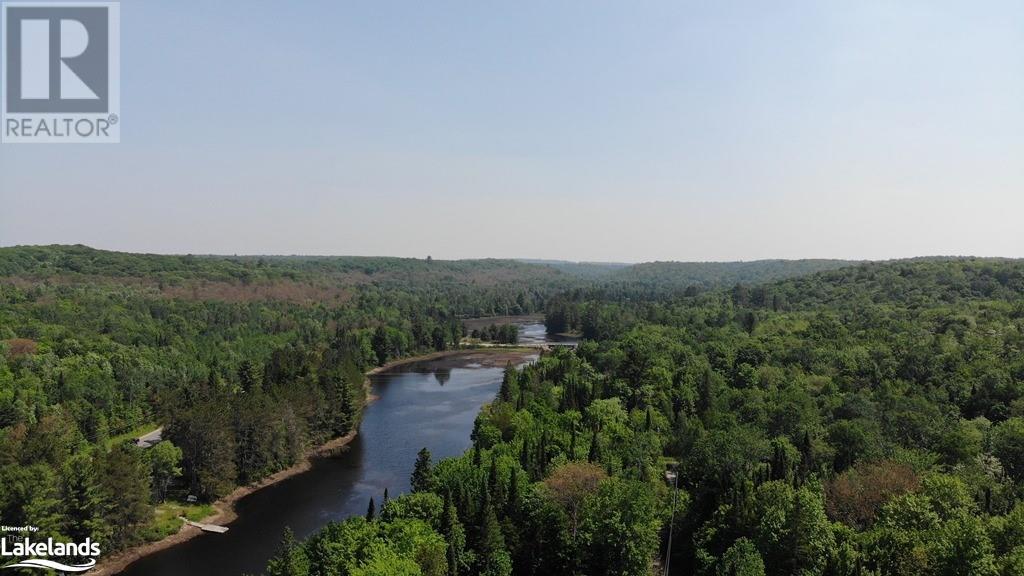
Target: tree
point(165, 467)
point(125, 484)
point(85, 507)
point(619, 529)
point(205, 434)
point(371, 510)
point(344, 408)
point(808, 533)
point(1008, 446)
point(422, 473)
point(291, 558)
point(570, 484)
point(741, 559)
point(425, 506)
point(250, 376)
point(455, 535)
point(594, 456)
point(494, 557)
point(857, 495)
point(380, 345)
point(853, 440)
point(508, 383)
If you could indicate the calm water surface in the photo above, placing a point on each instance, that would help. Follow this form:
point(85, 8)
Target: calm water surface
point(430, 404)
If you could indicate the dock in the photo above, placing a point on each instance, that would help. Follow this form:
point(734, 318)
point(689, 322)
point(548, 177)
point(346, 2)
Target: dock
point(205, 527)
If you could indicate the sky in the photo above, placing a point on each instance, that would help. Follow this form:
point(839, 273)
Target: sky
point(578, 130)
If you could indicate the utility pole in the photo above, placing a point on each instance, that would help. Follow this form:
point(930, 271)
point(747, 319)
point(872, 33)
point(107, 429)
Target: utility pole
point(673, 476)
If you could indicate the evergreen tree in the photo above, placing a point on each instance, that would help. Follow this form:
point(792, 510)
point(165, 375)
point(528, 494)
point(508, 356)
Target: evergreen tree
point(512, 503)
point(594, 457)
point(524, 455)
point(250, 376)
point(125, 483)
point(508, 383)
point(455, 535)
point(343, 408)
point(422, 473)
point(291, 558)
point(84, 503)
point(494, 556)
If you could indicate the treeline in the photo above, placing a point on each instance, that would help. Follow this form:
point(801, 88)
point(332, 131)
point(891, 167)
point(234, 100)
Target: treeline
point(465, 288)
point(236, 428)
point(500, 334)
point(868, 421)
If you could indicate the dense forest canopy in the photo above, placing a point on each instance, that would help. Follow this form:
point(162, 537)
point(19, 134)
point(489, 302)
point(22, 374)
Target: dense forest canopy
point(823, 417)
point(245, 363)
point(865, 421)
point(716, 274)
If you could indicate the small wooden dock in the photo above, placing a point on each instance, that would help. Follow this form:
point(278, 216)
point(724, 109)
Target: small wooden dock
point(205, 527)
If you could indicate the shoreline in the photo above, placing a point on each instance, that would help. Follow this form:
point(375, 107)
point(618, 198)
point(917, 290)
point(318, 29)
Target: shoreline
point(483, 350)
point(224, 508)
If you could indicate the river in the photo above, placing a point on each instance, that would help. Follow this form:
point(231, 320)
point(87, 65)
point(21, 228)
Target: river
point(430, 403)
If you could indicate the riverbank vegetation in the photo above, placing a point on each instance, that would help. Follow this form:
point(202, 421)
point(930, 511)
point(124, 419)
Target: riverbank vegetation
point(863, 421)
point(822, 417)
point(498, 334)
point(247, 363)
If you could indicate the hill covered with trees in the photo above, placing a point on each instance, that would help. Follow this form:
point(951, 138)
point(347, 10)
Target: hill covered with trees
point(864, 421)
point(245, 362)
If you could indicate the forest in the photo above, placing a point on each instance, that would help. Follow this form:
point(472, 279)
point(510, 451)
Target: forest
point(246, 364)
point(820, 417)
point(862, 421)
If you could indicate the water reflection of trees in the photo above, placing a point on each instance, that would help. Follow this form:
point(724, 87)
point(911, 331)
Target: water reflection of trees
point(443, 375)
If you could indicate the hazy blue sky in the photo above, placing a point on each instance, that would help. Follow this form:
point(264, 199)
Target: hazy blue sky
point(585, 130)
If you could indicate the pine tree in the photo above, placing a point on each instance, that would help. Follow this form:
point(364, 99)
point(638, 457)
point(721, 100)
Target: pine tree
point(250, 376)
point(124, 480)
point(343, 409)
point(422, 473)
point(806, 457)
point(492, 475)
point(84, 505)
point(524, 456)
point(512, 503)
point(542, 453)
point(495, 560)
point(371, 510)
point(508, 382)
point(291, 558)
point(484, 504)
point(595, 450)
point(455, 535)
